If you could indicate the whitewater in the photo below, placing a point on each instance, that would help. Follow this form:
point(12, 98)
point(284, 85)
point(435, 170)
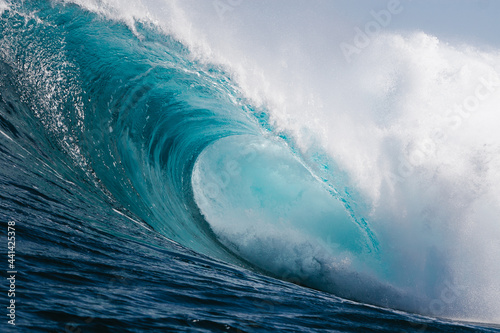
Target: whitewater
point(251, 166)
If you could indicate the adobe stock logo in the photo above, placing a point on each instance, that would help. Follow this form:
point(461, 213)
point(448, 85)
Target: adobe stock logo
point(363, 38)
point(223, 6)
point(457, 115)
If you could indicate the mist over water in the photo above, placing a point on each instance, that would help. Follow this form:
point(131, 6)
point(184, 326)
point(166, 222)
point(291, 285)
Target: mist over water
point(374, 174)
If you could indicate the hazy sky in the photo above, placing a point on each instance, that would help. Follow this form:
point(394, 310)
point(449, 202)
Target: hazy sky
point(473, 21)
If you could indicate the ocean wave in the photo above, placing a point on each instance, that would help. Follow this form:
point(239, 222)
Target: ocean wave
point(356, 180)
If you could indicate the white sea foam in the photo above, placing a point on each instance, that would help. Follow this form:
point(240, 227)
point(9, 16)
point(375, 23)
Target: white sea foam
point(3, 6)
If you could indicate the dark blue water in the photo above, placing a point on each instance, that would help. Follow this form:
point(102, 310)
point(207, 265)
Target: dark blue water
point(101, 128)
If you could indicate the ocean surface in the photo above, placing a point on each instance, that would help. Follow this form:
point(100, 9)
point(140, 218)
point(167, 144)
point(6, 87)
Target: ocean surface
point(237, 166)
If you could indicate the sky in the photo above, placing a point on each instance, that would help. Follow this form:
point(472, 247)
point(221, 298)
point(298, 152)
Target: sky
point(473, 21)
